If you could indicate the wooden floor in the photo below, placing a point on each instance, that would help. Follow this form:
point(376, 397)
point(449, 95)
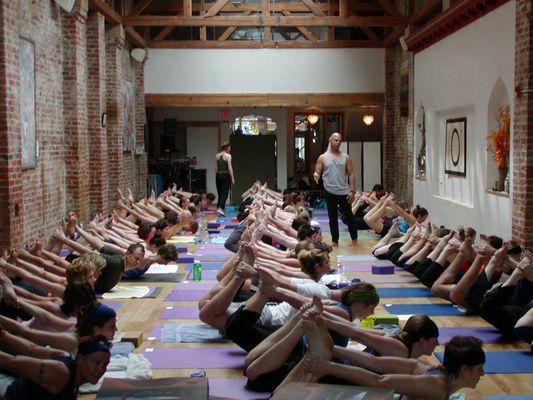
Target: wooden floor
point(142, 315)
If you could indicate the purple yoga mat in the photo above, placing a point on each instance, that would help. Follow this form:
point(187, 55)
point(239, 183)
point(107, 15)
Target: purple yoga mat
point(206, 274)
point(185, 259)
point(196, 285)
point(487, 334)
point(234, 388)
point(115, 305)
point(64, 253)
point(196, 357)
point(181, 249)
point(180, 312)
point(362, 268)
point(186, 295)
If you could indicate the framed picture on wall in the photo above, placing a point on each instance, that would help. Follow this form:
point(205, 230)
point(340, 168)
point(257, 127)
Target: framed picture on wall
point(455, 157)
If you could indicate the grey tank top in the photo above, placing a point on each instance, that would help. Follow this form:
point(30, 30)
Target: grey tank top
point(334, 174)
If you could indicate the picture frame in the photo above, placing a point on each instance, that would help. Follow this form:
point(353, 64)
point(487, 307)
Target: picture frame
point(455, 149)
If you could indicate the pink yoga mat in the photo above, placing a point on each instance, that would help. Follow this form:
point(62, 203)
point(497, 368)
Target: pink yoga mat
point(186, 295)
point(196, 357)
point(234, 388)
point(179, 312)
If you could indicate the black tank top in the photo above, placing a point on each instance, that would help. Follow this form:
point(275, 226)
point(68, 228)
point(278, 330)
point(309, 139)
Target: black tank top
point(25, 389)
point(222, 165)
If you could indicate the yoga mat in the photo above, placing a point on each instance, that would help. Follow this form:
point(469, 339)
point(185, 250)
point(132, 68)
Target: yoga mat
point(487, 334)
point(195, 357)
point(404, 292)
point(505, 362)
point(396, 278)
point(186, 295)
point(64, 252)
point(196, 285)
point(115, 305)
point(206, 274)
point(428, 309)
point(509, 398)
point(153, 292)
point(357, 257)
point(181, 239)
point(365, 267)
point(234, 388)
point(177, 277)
point(218, 239)
point(217, 266)
point(181, 312)
point(186, 333)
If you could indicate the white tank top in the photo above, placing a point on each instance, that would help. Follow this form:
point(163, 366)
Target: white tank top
point(334, 174)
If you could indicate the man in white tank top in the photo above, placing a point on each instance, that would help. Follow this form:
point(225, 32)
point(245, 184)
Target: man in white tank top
point(336, 170)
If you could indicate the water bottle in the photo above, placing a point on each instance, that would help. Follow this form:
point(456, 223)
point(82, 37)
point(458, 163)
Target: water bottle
point(368, 323)
point(197, 271)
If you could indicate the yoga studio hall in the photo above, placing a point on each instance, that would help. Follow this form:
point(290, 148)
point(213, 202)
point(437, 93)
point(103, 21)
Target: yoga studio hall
point(266, 199)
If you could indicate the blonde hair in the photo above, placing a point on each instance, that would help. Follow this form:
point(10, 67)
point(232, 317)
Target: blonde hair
point(82, 267)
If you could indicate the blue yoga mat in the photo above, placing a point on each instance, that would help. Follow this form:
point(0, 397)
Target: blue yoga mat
point(207, 266)
point(505, 362)
point(428, 309)
point(405, 292)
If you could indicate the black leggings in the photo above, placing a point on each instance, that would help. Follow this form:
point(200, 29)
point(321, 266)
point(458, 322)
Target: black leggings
point(223, 181)
point(334, 202)
point(431, 274)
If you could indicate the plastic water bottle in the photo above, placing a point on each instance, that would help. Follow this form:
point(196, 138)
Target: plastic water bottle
point(197, 271)
point(367, 323)
point(341, 270)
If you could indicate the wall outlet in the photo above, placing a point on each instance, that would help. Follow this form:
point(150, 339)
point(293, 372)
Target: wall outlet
point(139, 151)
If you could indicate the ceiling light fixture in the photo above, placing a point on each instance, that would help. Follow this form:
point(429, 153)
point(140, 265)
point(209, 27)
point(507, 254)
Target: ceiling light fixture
point(312, 118)
point(368, 119)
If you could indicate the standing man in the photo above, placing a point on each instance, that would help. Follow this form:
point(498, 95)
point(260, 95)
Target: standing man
point(339, 186)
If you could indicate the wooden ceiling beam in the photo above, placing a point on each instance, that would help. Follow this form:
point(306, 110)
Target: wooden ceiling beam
point(134, 37)
point(389, 7)
point(394, 36)
point(431, 8)
point(303, 30)
point(370, 33)
point(265, 100)
point(264, 21)
point(215, 8)
point(140, 7)
point(227, 33)
point(314, 8)
point(110, 15)
point(255, 44)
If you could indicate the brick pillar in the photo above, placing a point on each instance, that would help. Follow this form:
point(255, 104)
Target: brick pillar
point(96, 99)
point(388, 141)
point(398, 131)
point(522, 191)
point(75, 108)
point(114, 104)
point(10, 166)
point(140, 121)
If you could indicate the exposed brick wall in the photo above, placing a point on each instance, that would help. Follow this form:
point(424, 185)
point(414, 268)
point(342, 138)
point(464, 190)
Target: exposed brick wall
point(75, 110)
point(96, 100)
point(398, 131)
point(522, 191)
point(80, 163)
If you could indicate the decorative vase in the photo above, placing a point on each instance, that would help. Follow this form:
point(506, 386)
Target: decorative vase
point(502, 174)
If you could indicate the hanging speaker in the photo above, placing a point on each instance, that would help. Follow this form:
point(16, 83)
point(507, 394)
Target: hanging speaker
point(66, 5)
point(138, 54)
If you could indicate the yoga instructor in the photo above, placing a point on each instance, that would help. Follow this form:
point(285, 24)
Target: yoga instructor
point(224, 176)
point(336, 170)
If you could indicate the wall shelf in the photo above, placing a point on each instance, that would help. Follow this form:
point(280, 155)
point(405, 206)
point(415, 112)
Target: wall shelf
point(497, 193)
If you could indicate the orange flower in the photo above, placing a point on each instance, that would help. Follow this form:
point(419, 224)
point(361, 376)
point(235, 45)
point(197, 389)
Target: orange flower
point(501, 139)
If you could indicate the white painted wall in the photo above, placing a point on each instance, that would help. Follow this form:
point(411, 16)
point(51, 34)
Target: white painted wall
point(278, 115)
point(202, 143)
point(206, 71)
point(455, 78)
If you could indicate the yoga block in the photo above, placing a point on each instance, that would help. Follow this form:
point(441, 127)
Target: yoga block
point(385, 319)
point(213, 231)
point(181, 249)
point(135, 337)
point(234, 219)
point(383, 269)
point(213, 225)
point(185, 259)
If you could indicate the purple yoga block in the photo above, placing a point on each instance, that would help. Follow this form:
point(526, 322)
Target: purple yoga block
point(181, 249)
point(186, 259)
point(383, 269)
point(213, 231)
point(213, 225)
